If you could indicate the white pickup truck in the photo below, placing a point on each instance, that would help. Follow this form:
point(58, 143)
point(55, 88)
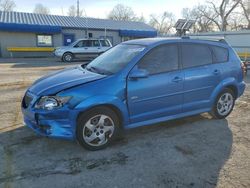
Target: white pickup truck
point(82, 48)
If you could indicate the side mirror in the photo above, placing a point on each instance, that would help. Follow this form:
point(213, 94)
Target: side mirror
point(138, 73)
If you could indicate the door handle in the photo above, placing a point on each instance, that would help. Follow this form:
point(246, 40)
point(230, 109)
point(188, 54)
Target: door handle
point(177, 79)
point(85, 48)
point(216, 72)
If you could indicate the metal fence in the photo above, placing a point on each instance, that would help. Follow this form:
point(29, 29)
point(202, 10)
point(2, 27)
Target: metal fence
point(243, 52)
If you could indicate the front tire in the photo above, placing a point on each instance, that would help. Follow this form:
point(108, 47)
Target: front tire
point(224, 104)
point(97, 128)
point(67, 57)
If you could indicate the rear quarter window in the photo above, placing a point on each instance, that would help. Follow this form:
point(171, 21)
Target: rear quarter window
point(220, 54)
point(105, 43)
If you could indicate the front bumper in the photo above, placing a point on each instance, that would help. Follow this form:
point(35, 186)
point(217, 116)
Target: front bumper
point(56, 123)
point(58, 54)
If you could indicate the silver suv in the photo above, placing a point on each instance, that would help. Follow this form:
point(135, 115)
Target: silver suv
point(83, 48)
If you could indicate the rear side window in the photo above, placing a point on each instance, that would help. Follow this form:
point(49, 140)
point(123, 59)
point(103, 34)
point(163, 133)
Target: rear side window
point(195, 55)
point(163, 58)
point(220, 54)
point(94, 43)
point(104, 43)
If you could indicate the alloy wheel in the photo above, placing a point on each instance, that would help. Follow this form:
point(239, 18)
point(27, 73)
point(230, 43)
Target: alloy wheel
point(225, 104)
point(98, 130)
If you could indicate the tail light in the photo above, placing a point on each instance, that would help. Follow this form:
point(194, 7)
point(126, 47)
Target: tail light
point(244, 68)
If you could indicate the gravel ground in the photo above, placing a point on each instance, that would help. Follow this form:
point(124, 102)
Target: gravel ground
point(196, 151)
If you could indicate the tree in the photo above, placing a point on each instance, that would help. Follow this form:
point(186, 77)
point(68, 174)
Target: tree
point(41, 9)
point(202, 24)
point(221, 12)
point(245, 6)
point(123, 13)
point(7, 5)
point(72, 11)
point(236, 21)
point(163, 23)
point(141, 19)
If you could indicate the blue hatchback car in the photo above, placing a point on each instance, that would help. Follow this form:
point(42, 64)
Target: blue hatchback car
point(136, 83)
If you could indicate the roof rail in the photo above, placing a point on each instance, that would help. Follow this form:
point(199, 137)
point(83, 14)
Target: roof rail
point(216, 39)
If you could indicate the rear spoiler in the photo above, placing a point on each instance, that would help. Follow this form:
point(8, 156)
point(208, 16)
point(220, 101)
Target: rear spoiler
point(208, 38)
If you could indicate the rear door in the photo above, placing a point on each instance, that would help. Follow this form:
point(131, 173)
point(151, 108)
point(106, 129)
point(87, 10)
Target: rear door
point(201, 76)
point(160, 94)
point(94, 47)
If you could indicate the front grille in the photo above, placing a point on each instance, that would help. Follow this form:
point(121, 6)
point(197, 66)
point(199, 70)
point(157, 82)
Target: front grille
point(27, 100)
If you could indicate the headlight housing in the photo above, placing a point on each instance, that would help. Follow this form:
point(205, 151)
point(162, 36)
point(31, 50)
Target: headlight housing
point(51, 102)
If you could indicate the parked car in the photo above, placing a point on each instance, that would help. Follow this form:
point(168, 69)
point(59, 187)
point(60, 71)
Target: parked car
point(136, 83)
point(82, 48)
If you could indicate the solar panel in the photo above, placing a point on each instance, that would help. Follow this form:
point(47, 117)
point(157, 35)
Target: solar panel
point(188, 24)
point(183, 25)
point(180, 23)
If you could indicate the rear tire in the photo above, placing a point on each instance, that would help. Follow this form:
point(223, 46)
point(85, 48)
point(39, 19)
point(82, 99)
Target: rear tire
point(67, 57)
point(224, 104)
point(97, 128)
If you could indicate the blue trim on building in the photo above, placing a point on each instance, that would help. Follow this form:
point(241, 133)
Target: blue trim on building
point(30, 28)
point(137, 33)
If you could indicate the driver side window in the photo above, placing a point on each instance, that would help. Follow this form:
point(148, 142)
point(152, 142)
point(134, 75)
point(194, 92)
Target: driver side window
point(163, 58)
point(79, 44)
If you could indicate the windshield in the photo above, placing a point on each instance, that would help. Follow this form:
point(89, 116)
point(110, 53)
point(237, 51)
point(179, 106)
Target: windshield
point(114, 59)
point(74, 43)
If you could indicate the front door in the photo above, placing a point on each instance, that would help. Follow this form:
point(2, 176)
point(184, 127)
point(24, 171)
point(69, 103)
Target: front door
point(159, 94)
point(88, 49)
point(80, 48)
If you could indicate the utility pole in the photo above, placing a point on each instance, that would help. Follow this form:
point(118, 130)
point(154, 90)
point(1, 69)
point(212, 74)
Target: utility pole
point(248, 6)
point(78, 9)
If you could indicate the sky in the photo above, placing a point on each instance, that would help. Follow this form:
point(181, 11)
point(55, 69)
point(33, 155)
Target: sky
point(101, 8)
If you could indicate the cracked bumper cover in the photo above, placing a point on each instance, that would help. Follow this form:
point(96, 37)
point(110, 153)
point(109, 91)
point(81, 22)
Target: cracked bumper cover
point(56, 123)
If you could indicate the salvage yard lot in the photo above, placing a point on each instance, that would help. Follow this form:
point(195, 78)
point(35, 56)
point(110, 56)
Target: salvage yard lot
point(192, 152)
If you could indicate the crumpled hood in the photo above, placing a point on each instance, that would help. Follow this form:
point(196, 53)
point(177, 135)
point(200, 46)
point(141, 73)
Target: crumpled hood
point(60, 80)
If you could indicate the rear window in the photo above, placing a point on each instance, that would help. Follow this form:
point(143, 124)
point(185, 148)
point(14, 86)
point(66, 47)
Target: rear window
point(195, 55)
point(105, 43)
point(220, 54)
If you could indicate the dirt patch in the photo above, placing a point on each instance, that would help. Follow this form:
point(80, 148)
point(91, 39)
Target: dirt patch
point(70, 166)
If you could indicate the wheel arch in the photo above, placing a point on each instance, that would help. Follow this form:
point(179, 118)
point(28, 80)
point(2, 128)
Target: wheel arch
point(112, 102)
point(69, 52)
point(230, 83)
point(234, 89)
point(110, 106)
